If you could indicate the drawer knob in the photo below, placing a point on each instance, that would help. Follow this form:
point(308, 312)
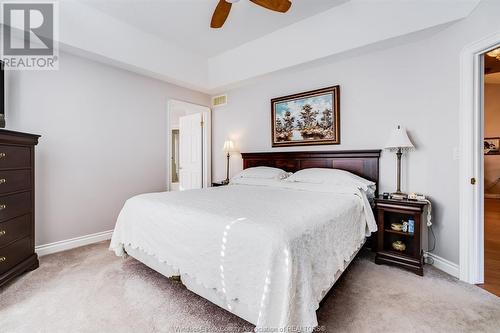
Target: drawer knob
point(3, 207)
point(2, 155)
point(2, 259)
point(3, 181)
point(2, 232)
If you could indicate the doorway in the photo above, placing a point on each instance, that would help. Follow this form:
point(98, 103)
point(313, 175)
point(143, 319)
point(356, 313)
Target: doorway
point(491, 171)
point(189, 142)
point(471, 155)
point(174, 166)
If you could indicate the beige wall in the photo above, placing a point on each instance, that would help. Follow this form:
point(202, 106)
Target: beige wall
point(413, 81)
point(491, 129)
point(104, 139)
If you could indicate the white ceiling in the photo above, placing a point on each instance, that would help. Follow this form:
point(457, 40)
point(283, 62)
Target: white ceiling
point(186, 22)
point(171, 39)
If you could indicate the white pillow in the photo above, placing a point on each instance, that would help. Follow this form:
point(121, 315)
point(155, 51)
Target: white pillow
point(330, 176)
point(256, 181)
point(263, 172)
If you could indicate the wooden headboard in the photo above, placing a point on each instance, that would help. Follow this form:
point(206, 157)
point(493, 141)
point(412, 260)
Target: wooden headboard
point(364, 163)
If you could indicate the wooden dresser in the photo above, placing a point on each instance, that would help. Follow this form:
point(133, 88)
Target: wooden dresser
point(17, 204)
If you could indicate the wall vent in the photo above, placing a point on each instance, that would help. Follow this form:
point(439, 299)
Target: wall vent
point(220, 100)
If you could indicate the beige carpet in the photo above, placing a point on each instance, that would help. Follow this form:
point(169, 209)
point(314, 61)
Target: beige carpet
point(90, 290)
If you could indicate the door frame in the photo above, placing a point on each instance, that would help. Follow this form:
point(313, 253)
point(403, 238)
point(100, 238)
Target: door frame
point(471, 202)
point(207, 140)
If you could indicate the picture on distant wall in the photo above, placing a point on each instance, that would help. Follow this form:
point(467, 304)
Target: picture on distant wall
point(309, 118)
point(491, 146)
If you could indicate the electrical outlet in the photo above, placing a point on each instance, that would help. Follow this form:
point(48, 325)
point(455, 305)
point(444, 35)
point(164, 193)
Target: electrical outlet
point(456, 154)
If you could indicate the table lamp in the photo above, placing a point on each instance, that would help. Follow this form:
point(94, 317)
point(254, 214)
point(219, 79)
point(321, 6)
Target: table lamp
point(399, 142)
point(228, 149)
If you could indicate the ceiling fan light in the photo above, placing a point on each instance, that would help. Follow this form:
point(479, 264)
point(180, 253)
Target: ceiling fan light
point(494, 53)
point(223, 8)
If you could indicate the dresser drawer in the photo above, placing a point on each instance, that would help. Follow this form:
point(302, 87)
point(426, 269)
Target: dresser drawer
point(14, 205)
point(12, 157)
point(14, 229)
point(14, 253)
point(14, 180)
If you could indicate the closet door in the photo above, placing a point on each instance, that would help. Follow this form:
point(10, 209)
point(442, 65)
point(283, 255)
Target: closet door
point(190, 152)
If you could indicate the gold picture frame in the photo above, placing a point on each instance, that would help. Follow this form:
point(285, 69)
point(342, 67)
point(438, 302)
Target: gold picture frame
point(308, 118)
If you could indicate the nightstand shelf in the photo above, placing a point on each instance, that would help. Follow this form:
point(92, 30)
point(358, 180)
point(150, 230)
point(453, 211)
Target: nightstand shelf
point(396, 211)
point(400, 259)
point(407, 234)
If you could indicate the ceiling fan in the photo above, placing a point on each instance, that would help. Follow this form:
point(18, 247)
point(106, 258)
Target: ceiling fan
point(224, 7)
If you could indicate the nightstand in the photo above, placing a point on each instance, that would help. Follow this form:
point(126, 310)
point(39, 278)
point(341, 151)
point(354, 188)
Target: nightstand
point(396, 211)
point(217, 184)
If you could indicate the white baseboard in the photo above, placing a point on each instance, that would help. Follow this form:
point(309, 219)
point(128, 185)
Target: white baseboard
point(444, 265)
point(68, 244)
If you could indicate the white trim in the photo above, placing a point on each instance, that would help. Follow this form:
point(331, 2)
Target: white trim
point(72, 243)
point(207, 148)
point(444, 265)
point(471, 162)
point(207, 140)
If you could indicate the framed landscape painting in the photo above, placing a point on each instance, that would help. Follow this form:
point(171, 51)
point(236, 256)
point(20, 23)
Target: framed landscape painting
point(309, 118)
point(491, 146)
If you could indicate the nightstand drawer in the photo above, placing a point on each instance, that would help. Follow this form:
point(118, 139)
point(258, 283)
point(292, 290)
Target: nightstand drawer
point(14, 229)
point(15, 253)
point(15, 205)
point(13, 157)
point(14, 180)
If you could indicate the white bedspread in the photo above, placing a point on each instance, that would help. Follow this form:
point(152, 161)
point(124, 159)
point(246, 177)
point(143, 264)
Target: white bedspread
point(274, 248)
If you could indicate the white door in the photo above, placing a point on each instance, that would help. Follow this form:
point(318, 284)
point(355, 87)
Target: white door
point(191, 152)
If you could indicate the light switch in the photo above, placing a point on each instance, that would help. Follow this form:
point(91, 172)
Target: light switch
point(456, 154)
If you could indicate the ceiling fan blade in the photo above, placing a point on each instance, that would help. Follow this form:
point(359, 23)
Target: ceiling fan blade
point(220, 14)
point(281, 6)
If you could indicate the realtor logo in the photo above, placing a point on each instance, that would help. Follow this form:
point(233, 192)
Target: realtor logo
point(29, 35)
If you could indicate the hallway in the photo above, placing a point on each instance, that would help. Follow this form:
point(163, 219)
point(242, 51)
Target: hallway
point(492, 246)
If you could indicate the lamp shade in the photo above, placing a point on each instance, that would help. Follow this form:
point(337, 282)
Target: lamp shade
point(228, 146)
point(399, 139)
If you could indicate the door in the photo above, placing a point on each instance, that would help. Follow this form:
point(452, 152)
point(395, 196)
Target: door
point(191, 152)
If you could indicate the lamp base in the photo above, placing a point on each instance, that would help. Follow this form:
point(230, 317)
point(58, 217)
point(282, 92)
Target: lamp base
point(399, 195)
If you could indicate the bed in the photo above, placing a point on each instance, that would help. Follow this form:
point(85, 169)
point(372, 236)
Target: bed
point(267, 251)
